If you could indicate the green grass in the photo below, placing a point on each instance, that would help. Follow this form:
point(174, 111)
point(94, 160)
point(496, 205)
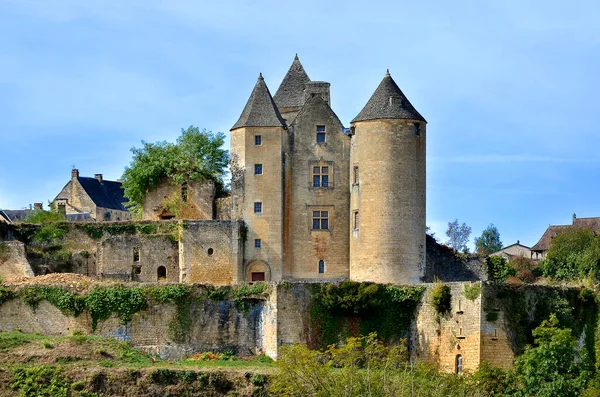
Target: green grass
point(12, 339)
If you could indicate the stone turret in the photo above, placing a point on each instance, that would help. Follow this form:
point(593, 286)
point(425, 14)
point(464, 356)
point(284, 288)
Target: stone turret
point(257, 142)
point(387, 158)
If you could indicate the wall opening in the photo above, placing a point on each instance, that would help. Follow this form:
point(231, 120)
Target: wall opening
point(459, 364)
point(136, 254)
point(210, 251)
point(258, 276)
point(161, 273)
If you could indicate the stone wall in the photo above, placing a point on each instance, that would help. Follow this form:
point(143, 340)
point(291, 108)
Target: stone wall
point(443, 264)
point(198, 203)
point(13, 261)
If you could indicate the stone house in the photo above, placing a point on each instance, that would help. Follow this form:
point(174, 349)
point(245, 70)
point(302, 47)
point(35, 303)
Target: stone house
point(540, 249)
point(194, 199)
point(83, 198)
point(514, 250)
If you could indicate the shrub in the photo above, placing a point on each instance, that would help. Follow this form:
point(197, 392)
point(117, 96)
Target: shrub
point(472, 291)
point(441, 298)
point(498, 269)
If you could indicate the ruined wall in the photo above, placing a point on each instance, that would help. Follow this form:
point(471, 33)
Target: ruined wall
point(443, 264)
point(138, 258)
point(223, 208)
point(13, 261)
point(210, 252)
point(198, 203)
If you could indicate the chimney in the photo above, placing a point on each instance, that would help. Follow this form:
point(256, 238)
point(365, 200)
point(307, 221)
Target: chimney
point(98, 177)
point(320, 88)
point(38, 206)
point(74, 173)
point(574, 217)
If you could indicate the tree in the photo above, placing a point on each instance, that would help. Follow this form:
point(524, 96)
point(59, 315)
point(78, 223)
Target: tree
point(459, 236)
point(573, 253)
point(196, 154)
point(556, 366)
point(489, 241)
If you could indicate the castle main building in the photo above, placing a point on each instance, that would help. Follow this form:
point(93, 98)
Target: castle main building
point(323, 202)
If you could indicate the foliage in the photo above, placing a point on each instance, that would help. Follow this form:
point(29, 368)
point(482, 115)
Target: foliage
point(489, 241)
point(458, 236)
point(67, 302)
point(50, 232)
point(6, 293)
point(102, 302)
point(361, 367)
point(573, 253)
point(525, 268)
point(41, 216)
point(196, 154)
point(217, 293)
point(97, 230)
point(472, 291)
point(441, 298)
point(243, 294)
point(176, 205)
point(40, 381)
point(352, 308)
point(499, 269)
point(555, 366)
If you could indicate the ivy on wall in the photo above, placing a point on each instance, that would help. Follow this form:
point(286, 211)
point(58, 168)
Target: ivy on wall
point(351, 309)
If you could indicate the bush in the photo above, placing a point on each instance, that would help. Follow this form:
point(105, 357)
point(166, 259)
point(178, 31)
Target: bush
point(441, 298)
point(573, 253)
point(472, 291)
point(498, 269)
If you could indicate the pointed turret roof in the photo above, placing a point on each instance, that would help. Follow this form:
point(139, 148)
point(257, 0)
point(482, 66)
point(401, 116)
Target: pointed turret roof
point(260, 111)
point(291, 91)
point(388, 102)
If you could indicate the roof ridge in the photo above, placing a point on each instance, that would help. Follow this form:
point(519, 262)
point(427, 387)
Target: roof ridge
point(388, 102)
point(260, 110)
point(291, 90)
point(310, 101)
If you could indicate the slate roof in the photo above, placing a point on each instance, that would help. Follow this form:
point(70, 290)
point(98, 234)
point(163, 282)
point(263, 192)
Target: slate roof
point(108, 194)
point(15, 215)
point(588, 223)
point(549, 234)
point(80, 217)
point(388, 102)
point(291, 90)
point(260, 111)
point(315, 102)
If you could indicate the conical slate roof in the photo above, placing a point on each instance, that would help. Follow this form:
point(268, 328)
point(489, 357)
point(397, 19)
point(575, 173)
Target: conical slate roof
point(260, 111)
point(388, 102)
point(291, 91)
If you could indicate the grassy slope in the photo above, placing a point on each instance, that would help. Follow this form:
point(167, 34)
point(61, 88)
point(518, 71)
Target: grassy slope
point(90, 366)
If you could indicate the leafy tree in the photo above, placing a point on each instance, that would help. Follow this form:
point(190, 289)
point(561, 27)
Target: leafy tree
point(196, 154)
point(489, 241)
point(574, 253)
point(555, 366)
point(499, 269)
point(458, 235)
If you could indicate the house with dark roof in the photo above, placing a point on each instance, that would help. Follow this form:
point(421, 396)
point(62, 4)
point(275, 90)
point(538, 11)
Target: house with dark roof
point(540, 249)
point(85, 199)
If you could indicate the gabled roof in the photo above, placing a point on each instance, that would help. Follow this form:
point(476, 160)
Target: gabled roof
point(588, 223)
point(315, 102)
point(291, 91)
point(260, 111)
point(388, 102)
point(108, 194)
point(549, 234)
point(13, 216)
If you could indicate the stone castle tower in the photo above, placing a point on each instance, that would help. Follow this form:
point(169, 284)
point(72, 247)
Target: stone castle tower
point(323, 202)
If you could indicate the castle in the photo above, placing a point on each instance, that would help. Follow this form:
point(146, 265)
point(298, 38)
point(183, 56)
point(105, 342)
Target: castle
point(323, 202)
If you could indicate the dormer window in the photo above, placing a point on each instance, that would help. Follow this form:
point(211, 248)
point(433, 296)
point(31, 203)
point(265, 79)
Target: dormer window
point(320, 134)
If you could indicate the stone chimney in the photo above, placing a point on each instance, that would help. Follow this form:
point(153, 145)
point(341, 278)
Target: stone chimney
point(320, 88)
point(574, 217)
point(74, 173)
point(38, 206)
point(98, 177)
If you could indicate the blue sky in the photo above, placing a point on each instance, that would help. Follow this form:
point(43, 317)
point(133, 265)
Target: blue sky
point(509, 89)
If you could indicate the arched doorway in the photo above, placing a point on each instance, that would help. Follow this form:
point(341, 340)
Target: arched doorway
point(258, 271)
point(161, 274)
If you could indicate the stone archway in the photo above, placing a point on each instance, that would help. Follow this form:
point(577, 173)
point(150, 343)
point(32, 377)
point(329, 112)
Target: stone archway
point(258, 271)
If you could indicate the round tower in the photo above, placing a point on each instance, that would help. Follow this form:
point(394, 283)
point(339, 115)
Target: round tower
point(387, 243)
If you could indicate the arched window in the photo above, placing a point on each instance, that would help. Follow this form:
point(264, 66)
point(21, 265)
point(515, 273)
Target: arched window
point(161, 273)
point(459, 364)
point(321, 266)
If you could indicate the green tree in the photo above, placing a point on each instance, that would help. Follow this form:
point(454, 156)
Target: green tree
point(555, 366)
point(458, 236)
point(574, 253)
point(489, 241)
point(196, 154)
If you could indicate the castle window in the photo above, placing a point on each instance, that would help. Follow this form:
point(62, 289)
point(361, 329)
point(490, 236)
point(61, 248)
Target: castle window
point(258, 140)
point(459, 364)
point(356, 220)
point(257, 169)
point(256, 243)
point(320, 134)
point(417, 129)
point(136, 254)
point(184, 191)
point(320, 220)
point(257, 207)
point(320, 176)
point(321, 266)
point(356, 175)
